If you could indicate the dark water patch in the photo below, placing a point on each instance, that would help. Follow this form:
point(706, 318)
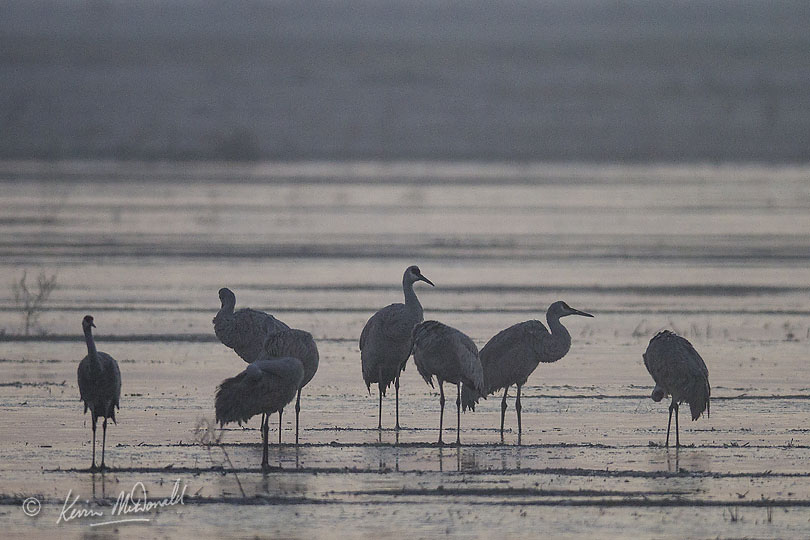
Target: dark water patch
point(508, 492)
point(620, 248)
point(22, 221)
point(495, 448)
point(21, 384)
point(785, 397)
point(604, 501)
point(30, 361)
point(573, 472)
point(636, 290)
point(529, 311)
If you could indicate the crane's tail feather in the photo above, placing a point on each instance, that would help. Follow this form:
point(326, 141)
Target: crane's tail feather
point(699, 402)
point(470, 397)
point(232, 403)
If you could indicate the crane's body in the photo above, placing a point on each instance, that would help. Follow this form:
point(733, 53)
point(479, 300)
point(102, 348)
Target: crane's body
point(244, 330)
point(385, 342)
point(514, 353)
point(99, 386)
point(297, 344)
point(265, 387)
point(443, 352)
point(678, 371)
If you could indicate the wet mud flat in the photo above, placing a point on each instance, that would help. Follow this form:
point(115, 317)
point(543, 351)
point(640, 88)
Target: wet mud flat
point(717, 254)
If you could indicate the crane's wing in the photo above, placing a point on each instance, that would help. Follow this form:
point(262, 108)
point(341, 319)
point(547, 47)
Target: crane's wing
point(433, 341)
point(390, 323)
point(512, 354)
point(265, 386)
point(471, 366)
point(85, 382)
point(245, 331)
point(112, 384)
point(296, 344)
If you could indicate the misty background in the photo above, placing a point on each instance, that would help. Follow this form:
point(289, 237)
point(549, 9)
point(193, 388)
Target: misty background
point(586, 80)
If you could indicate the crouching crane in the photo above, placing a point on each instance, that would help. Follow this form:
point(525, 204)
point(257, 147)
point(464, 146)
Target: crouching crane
point(264, 387)
point(680, 372)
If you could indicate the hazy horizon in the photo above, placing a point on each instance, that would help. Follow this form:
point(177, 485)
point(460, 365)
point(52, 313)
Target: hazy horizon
point(586, 81)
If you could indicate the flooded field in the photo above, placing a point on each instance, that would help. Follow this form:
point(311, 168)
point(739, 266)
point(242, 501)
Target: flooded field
point(719, 254)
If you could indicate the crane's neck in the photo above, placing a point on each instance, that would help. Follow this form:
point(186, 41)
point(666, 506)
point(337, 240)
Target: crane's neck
point(412, 305)
point(226, 311)
point(560, 341)
point(91, 345)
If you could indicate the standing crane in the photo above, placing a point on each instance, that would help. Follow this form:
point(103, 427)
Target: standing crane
point(680, 372)
point(243, 330)
point(99, 386)
point(297, 344)
point(514, 353)
point(451, 356)
point(266, 386)
point(385, 343)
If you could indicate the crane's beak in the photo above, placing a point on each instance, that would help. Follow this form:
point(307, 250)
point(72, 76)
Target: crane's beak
point(93, 324)
point(578, 312)
point(426, 280)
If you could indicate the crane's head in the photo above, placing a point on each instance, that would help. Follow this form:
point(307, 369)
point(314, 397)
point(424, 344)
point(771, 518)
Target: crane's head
point(227, 297)
point(561, 309)
point(412, 275)
point(87, 322)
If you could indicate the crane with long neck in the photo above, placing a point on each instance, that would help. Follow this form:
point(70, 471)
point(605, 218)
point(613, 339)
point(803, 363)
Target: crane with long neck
point(385, 342)
point(99, 386)
point(514, 353)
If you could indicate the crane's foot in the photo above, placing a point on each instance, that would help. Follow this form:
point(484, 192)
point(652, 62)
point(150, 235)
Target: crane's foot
point(103, 468)
point(93, 468)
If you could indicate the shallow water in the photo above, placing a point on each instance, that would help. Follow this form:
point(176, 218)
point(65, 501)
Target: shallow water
point(719, 254)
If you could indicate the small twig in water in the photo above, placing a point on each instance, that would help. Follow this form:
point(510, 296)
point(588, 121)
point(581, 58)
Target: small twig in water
point(31, 303)
point(206, 434)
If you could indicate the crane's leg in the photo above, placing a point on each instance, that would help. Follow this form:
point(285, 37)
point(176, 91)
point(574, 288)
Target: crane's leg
point(669, 422)
point(265, 435)
point(297, 410)
point(441, 414)
point(503, 410)
point(279, 426)
point(103, 440)
point(458, 414)
point(518, 408)
point(396, 387)
point(677, 438)
point(93, 466)
point(380, 388)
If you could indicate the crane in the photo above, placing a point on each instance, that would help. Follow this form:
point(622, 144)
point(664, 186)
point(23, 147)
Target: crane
point(449, 355)
point(297, 344)
point(385, 342)
point(680, 372)
point(266, 386)
point(243, 330)
point(99, 386)
point(514, 353)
